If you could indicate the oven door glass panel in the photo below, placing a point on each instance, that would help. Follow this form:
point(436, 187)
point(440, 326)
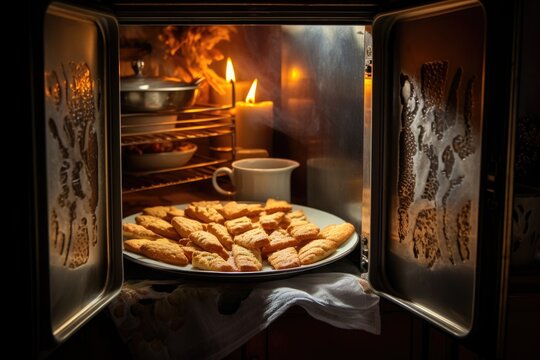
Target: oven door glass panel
point(81, 137)
point(427, 140)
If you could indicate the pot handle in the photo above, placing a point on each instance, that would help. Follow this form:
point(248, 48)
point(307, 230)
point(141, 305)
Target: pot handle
point(137, 66)
point(197, 81)
point(218, 188)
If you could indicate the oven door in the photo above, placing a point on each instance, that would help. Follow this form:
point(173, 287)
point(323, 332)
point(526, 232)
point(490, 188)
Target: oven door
point(437, 186)
point(78, 247)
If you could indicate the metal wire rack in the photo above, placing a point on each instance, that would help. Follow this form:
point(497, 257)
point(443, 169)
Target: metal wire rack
point(193, 123)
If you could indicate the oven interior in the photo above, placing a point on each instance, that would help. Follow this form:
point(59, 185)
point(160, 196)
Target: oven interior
point(311, 87)
point(312, 104)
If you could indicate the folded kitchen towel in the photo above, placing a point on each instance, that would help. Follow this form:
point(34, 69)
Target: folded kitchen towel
point(209, 321)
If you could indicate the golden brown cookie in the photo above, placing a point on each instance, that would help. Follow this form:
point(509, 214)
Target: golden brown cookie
point(284, 259)
point(293, 215)
point(157, 211)
point(135, 231)
point(273, 205)
point(204, 214)
point(222, 234)
point(234, 210)
point(185, 226)
point(189, 248)
point(337, 233)
point(210, 261)
point(316, 250)
point(157, 225)
point(252, 239)
point(271, 221)
point(209, 243)
point(247, 259)
point(184, 241)
point(279, 239)
point(173, 212)
point(134, 245)
point(254, 209)
point(166, 252)
point(239, 225)
point(214, 204)
point(303, 231)
point(297, 222)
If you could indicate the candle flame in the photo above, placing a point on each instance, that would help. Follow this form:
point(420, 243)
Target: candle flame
point(229, 75)
point(250, 98)
point(296, 74)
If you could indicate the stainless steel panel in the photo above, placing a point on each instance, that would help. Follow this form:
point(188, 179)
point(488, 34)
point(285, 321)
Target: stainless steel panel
point(81, 122)
point(427, 138)
point(321, 114)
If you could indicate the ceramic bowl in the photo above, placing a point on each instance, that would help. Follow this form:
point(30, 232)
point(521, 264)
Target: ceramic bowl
point(160, 160)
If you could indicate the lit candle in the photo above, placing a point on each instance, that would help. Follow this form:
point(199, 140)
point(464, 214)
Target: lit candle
point(240, 87)
point(254, 122)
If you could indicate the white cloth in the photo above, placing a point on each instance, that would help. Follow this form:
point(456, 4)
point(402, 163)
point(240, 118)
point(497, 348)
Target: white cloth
point(201, 321)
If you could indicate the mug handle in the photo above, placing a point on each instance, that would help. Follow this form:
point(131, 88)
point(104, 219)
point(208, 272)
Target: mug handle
point(218, 188)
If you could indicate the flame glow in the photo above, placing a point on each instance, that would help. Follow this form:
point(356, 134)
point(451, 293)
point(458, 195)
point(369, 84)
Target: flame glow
point(250, 98)
point(296, 74)
point(229, 74)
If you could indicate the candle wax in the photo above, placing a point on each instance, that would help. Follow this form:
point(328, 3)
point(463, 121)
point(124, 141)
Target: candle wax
point(254, 124)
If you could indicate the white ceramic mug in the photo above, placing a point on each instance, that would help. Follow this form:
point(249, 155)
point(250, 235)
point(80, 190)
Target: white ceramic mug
point(257, 179)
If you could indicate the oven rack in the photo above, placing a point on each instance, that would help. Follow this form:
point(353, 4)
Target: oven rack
point(199, 168)
point(201, 121)
point(187, 126)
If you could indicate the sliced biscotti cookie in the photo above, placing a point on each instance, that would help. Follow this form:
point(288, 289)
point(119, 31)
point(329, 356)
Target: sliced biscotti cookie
point(247, 259)
point(166, 252)
point(238, 226)
point(254, 209)
point(292, 215)
point(253, 239)
point(279, 239)
point(273, 205)
point(157, 211)
point(135, 231)
point(209, 243)
point(134, 245)
point(271, 221)
point(303, 231)
point(234, 210)
point(157, 225)
point(316, 250)
point(337, 233)
point(297, 222)
point(210, 261)
point(173, 212)
point(185, 226)
point(284, 259)
point(222, 234)
point(204, 214)
point(214, 204)
point(189, 248)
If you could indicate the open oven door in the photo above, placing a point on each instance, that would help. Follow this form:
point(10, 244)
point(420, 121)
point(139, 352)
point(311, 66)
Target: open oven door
point(438, 218)
point(77, 205)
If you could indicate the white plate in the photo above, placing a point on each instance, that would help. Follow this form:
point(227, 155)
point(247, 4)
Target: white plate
point(321, 218)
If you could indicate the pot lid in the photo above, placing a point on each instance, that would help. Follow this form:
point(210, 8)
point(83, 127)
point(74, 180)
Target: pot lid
point(139, 82)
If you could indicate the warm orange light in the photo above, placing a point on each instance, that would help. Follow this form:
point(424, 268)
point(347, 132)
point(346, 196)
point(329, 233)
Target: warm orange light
point(296, 74)
point(229, 74)
point(250, 98)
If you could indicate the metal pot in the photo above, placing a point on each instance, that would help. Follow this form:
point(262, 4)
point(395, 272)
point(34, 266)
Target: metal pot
point(149, 94)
